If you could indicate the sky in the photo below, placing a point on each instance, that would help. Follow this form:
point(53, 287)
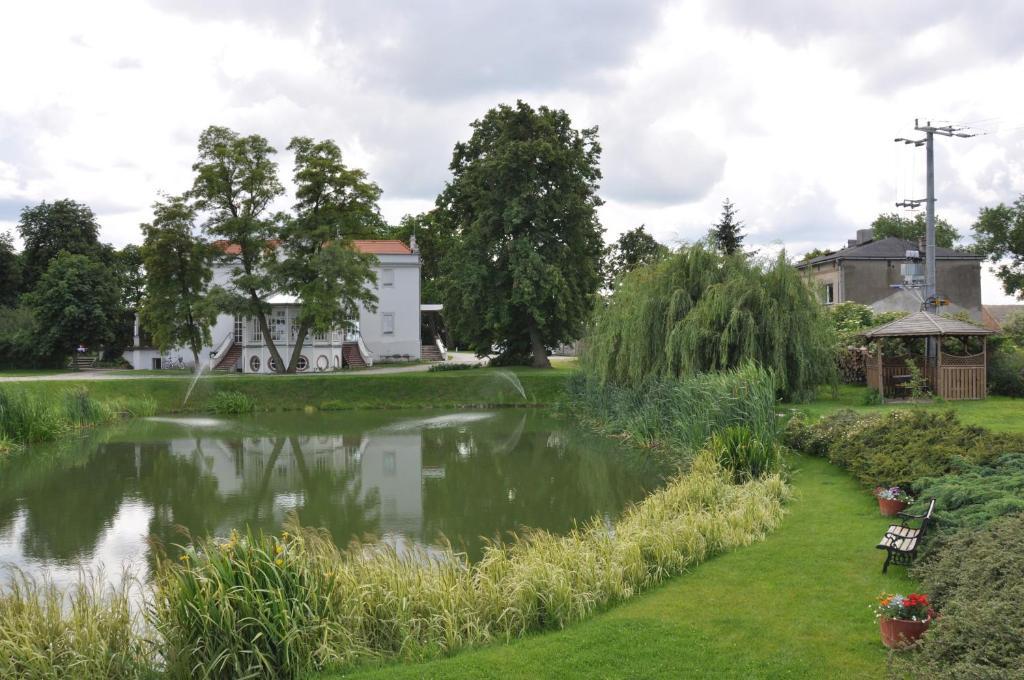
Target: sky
point(788, 108)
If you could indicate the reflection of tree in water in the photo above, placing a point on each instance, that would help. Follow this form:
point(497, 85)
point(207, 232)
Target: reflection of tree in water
point(547, 479)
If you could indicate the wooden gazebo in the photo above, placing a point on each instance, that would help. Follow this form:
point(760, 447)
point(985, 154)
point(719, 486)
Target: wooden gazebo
point(952, 376)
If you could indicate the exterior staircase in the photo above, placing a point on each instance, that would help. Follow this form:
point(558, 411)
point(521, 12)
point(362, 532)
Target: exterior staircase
point(84, 362)
point(430, 353)
point(226, 363)
point(351, 355)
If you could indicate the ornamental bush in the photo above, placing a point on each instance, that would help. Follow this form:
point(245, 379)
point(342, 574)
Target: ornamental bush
point(974, 494)
point(975, 581)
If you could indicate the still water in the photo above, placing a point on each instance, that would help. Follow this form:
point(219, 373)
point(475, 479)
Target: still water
point(403, 477)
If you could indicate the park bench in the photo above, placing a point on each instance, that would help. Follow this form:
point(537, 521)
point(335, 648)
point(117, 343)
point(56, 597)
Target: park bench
point(901, 540)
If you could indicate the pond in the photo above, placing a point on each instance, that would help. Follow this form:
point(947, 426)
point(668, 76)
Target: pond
point(403, 477)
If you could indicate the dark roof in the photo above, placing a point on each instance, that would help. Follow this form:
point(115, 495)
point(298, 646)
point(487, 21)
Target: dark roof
point(890, 248)
point(1000, 314)
point(923, 324)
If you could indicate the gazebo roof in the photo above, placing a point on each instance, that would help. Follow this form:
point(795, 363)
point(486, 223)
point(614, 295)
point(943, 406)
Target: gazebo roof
point(925, 324)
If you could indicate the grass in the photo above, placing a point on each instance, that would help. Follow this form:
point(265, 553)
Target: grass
point(1004, 414)
point(795, 605)
point(482, 387)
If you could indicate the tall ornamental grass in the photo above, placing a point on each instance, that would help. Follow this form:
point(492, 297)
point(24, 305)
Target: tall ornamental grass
point(89, 631)
point(27, 417)
point(696, 311)
point(680, 414)
point(282, 606)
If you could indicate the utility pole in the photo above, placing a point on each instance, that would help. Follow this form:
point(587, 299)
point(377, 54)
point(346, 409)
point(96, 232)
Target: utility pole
point(929, 130)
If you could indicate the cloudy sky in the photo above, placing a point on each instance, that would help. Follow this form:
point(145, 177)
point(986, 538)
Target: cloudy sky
point(788, 107)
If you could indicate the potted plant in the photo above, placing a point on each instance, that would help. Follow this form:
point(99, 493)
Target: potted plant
point(892, 501)
point(902, 620)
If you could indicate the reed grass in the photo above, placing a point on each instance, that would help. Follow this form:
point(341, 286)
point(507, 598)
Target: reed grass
point(231, 402)
point(87, 631)
point(680, 414)
point(282, 606)
point(28, 416)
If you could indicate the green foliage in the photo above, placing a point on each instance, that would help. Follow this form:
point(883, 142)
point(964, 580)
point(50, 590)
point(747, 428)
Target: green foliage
point(697, 311)
point(972, 494)
point(898, 226)
point(433, 239)
point(1006, 372)
point(229, 401)
point(334, 204)
point(10, 272)
point(26, 417)
point(726, 235)
point(633, 249)
point(75, 302)
point(1013, 329)
point(999, 234)
point(87, 630)
point(975, 580)
point(900, 447)
point(177, 311)
point(284, 606)
point(816, 252)
point(680, 414)
point(872, 397)
point(739, 450)
point(447, 366)
point(18, 346)
point(50, 228)
point(524, 268)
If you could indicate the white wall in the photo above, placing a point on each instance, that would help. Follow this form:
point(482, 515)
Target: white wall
point(402, 299)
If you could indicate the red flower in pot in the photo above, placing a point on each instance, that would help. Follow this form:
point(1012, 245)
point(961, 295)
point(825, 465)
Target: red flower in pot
point(902, 620)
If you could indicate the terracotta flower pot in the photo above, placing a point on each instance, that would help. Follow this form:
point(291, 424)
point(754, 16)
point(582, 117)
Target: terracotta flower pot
point(890, 508)
point(897, 633)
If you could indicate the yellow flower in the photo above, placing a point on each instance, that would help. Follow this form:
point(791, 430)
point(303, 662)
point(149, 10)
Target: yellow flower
point(284, 535)
point(184, 558)
point(279, 549)
point(279, 562)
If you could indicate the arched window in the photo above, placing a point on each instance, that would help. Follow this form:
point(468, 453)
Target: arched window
point(272, 365)
point(303, 363)
point(337, 361)
point(322, 363)
point(254, 364)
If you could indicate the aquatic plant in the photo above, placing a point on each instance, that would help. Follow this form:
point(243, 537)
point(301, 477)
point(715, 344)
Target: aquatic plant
point(680, 414)
point(230, 401)
point(283, 606)
point(87, 631)
point(26, 417)
point(739, 450)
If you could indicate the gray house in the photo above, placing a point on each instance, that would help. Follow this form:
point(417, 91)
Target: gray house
point(870, 272)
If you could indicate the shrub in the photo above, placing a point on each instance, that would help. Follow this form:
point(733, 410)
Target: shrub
point(283, 606)
point(975, 581)
point(25, 417)
point(975, 494)
point(900, 447)
point(739, 450)
point(449, 366)
point(680, 414)
point(230, 401)
point(1006, 372)
point(87, 631)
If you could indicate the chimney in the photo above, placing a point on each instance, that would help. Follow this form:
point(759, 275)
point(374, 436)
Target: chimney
point(412, 244)
point(865, 235)
point(851, 242)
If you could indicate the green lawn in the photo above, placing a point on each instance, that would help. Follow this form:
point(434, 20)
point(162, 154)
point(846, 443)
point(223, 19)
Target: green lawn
point(997, 413)
point(444, 389)
point(793, 606)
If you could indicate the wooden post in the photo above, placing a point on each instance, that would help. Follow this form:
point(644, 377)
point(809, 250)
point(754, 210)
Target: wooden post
point(881, 374)
point(984, 367)
point(940, 383)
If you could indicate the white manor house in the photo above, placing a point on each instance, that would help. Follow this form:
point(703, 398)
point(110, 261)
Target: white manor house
point(395, 332)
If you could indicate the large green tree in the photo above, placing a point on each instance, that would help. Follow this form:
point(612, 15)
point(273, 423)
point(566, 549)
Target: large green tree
point(75, 301)
point(525, 263)
point(177, 311)
point(236, 182)
point(10, 272)
point(320, 265)
point(632, 249)
point(726, 235)
point(999, 233)
point(894, 224)
point(49, 228)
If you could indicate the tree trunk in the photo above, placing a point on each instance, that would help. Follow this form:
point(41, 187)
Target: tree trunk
point(300, 338)
point(540, 355)
point(261, 319)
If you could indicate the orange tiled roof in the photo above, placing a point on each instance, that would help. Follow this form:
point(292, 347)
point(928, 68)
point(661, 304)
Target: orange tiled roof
point(372, 247)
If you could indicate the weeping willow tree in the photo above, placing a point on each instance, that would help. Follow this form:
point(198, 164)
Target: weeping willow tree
point(697, 311)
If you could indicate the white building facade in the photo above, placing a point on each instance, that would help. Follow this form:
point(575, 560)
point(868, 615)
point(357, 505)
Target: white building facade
point(390, 333)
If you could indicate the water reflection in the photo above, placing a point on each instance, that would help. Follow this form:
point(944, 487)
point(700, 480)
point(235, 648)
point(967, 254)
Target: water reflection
point(406, 478)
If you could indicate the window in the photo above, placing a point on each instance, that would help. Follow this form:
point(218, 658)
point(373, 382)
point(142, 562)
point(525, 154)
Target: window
point(277, 326)
point(387, 277)
point(254, 364)
point(387, 323)
point(239, 325)
point(322, 363)
point(257, 332)
point(303, 363)
point(321, 336)
point(272, 365)
point(829, 294)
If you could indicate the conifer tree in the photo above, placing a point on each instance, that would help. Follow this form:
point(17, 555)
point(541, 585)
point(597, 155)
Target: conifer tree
point(726, 236)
